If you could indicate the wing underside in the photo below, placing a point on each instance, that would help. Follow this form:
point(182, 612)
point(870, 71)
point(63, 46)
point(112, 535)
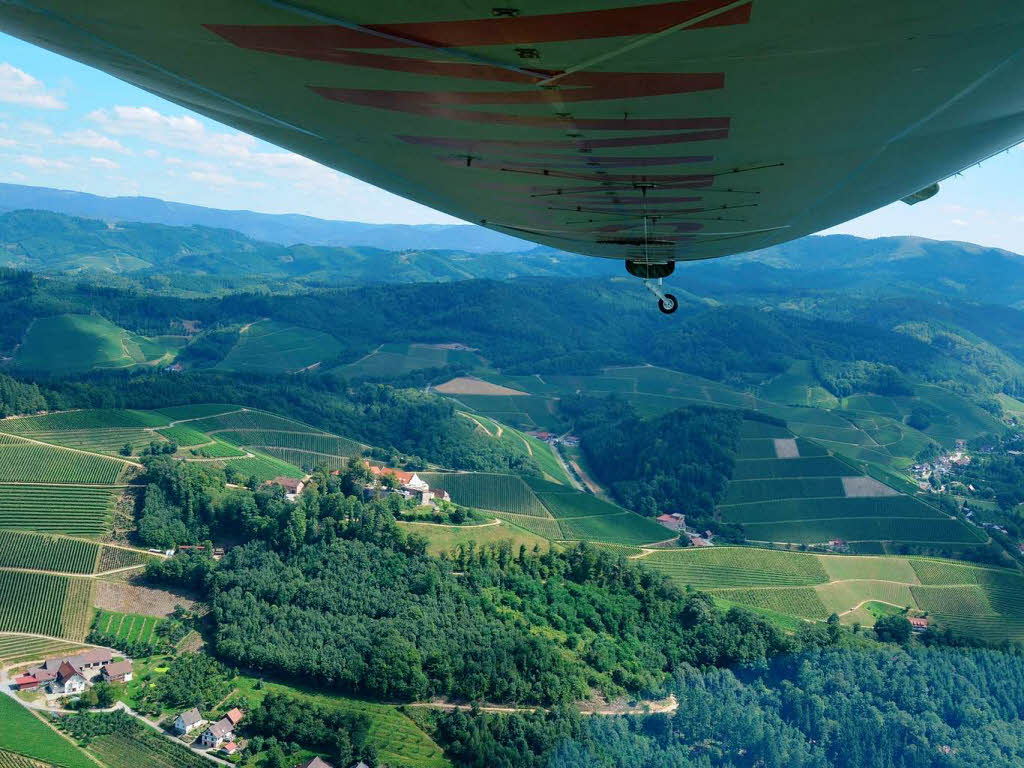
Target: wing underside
point(659, 131)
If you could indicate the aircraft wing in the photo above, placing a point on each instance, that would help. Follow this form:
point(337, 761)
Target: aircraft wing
point(686, 129)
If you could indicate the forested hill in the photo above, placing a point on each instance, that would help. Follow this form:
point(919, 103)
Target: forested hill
point(47, 242)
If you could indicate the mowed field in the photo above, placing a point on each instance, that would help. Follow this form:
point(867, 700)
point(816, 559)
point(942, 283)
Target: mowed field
point(788, 489)
point(270, 345)
point(971, 600)
point(70, 343)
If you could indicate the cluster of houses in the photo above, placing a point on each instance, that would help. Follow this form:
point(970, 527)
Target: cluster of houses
point(940, 466)
point(409, 486)
point(67, 675)
point(218, 735)
point(553, 439)
point(676, 521)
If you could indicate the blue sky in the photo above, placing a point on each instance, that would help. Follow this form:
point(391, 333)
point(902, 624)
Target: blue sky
point(68, 126)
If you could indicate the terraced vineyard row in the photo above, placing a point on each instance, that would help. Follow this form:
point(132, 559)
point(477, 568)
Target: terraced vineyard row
point(94, 419)
point(112, 558)
point(15, 649)
point(99, 440)
point(264, 468)
point(144, 747)
point(218, 450)
point(802, 602)
point(12, 760)
point(309, 459)
point(56, 509)
point(184, 435)
point(771, 489)
point(839, 596)
point(306, 441)
point(957, 600)
point(23, 731)
point(248, 419)
point(576, 504)
point(815, 466)
point(625, 528)
point(47, 553)
point(863, 529)
point(716, 567)
point(815, 509)
point(502, 493)
point(542, 526)
point(199, 411)
point(31, 463)
point(45, 604)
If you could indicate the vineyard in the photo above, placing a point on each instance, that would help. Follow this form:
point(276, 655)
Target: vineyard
point(45, 604)
point(184, 436)
point(94, 419)
point(126, 626)
point(625, 528)
point(815, 509)
point(542, 526)
point(247, 419)
point(814, 466)
point(576, 504)
point(306, 441)
point(217, 450)
point(801, 602)
point(264, 468)
point(144, 747)
point(26, 734)
point(112, 558)
point(956, 600)
point(745, 491)
point(47, 553)
point(502, 493)
point(756, 448)
point(99, 440)
point(18, 649)
point(840, 596)
point(306, 458)
point(864, 529)
point(11, 760)
point(73, 510)
point(711, 567)
point(200, 411)
point(31, 463)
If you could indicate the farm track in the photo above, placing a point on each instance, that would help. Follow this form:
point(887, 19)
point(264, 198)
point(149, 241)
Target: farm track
point(665, 706)
point(69, 574)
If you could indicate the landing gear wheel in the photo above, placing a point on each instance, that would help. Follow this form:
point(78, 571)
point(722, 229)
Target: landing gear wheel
point(668, 305)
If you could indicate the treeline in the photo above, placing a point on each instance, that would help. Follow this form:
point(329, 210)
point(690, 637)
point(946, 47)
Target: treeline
point(679, 462)
point(865, 708)
point(17, 397)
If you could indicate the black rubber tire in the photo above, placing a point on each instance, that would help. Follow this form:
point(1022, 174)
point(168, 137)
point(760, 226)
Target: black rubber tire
point(669, 308)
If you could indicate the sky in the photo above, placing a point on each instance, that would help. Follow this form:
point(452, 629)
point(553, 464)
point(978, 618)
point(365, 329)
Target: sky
point(65, 125)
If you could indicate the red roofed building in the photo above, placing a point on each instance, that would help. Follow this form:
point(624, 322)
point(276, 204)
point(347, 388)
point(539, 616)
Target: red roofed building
point(234, 715)
point(291, 485)
point(26, 682)
point(918, 623)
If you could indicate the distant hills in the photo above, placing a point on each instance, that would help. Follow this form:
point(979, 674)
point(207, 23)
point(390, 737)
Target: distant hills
point(283, 229)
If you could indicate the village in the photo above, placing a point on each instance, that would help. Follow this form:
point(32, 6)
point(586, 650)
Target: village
point(930, 474)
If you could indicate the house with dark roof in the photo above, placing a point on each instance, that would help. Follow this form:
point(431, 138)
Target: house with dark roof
point(187, 720)
point(315, 762)
point(68, 680)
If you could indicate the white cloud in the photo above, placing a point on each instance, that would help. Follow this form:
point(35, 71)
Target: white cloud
point(103, 162)
point(43, 163)
point(183, 131)
point(959, 223)
point(151, 153)
point(215, 179)
point(19, 87)
point(91, 139)
point(8, 143)
point(36, 129)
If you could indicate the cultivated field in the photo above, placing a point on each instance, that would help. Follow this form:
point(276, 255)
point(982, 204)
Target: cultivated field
point(392, 360)
point(269, 345)
point(47, 553)
point(25, 462)
point(126, 626)
point(145, 747)
point(45, 604)
point(18, 649)
point(250, 419)
point(445, 538)
point(626, 528)
point(26, 734)
point(481, 490)
point(972, 600)
point(76, 510)
point(184, 435)
point(264, 468)
point(199, 411)
point(465, 385)
point(317, 442)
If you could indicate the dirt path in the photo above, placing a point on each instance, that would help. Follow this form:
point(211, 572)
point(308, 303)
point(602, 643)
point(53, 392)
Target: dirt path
point(561, 460)
point(477, 422)
point(200, 418)
point(667, 706)
point(493, 522)
point(73, 450)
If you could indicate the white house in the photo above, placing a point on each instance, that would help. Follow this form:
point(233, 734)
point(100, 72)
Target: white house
point(221, 731)
point(187, 721)
point(69, 680)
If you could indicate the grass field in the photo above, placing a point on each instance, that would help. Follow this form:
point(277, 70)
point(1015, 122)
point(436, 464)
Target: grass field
point(72, 343)
point(45, 604)
point(23, 462)
point(126, 626)
point(270, 345)
point(444, 538)
point(20, 549)
point(75, 510)
point(26, 734)
point(482, 490)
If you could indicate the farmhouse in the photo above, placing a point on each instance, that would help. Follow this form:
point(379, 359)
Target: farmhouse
point(222, 731)
point(69, 680)
point(292, 487)
point(187, 720)
point(918, 623)
point(117, 672)
point(674, 522)
point(66, 674)
point(410, 485)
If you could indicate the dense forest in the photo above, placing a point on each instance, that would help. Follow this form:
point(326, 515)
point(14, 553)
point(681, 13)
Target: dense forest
point(679, 462)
